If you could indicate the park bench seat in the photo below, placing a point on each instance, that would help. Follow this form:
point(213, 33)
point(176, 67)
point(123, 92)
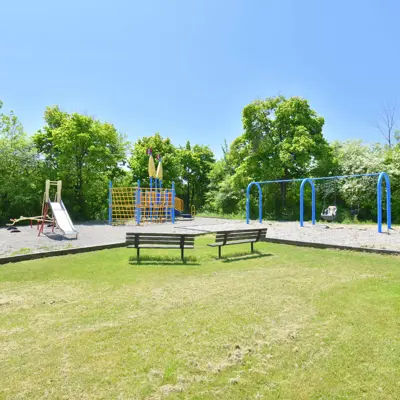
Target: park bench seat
point(226, 238)
point(145, 240)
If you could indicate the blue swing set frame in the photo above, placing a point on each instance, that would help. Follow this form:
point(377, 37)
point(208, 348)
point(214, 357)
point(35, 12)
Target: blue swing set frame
point(304, 181)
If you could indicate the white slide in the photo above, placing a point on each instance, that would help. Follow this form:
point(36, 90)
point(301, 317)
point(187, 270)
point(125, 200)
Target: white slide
point(63, 220)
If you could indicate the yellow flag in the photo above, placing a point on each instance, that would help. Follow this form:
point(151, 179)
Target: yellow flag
point(152, 168)
point(159, 171)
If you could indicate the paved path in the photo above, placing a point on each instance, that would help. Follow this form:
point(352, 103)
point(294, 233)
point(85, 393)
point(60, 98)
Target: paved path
point(98, 234)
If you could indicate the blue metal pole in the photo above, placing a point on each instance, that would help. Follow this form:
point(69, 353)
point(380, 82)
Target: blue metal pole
point(155, 197)
point(150, 203)
point(302, 202)
point(379, 203)
point(303, 183)
point(312, 202)
point(248, 202)
point(162, 198)
point(138, 216)
point(388, 203)
point(173, 204)
point(138, 203)
point(110, 203)
point(382, 176)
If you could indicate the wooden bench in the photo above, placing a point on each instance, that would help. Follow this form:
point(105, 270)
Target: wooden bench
point(226, 238)
point(144, 240)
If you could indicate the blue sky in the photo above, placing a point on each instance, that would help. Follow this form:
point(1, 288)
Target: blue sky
point(187, 68)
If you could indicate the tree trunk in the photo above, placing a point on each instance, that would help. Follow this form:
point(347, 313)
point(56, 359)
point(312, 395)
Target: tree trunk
point(187, 194)
point(192, 199)
point(79, 185)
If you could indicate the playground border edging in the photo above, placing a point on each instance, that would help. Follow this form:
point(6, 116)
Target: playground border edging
point(62, 252)
point(318, 245)
point(86, 249)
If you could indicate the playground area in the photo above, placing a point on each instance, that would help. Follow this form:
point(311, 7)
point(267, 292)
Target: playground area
point(96, 234)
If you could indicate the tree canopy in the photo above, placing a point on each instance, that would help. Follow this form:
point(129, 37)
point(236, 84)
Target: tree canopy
point(282, 138)
point(84, 153)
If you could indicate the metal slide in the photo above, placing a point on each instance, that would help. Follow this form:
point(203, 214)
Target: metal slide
point(63, 220)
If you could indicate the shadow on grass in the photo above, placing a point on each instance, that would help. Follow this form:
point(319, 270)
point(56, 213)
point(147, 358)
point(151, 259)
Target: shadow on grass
point(163, 260)
point(243, 256)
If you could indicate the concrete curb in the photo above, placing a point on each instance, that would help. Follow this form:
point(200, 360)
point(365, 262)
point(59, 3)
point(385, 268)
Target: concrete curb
point(63, 252)
point(333, 246)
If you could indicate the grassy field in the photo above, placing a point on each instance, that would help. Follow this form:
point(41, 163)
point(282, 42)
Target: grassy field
point(284, 323)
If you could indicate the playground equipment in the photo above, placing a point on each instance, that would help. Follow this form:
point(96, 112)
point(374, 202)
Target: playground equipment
point(329, 214)
point(380, 175)
point(53, 213)
point(60, 214)
point(139, 205)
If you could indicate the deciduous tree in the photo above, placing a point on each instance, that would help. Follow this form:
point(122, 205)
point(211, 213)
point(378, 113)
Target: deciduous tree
point(85, 153)
point(21, 187)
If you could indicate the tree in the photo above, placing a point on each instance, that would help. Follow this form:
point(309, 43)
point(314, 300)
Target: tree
point(21, 170)
point(355, 157)
point(223, 196)
point(282, 139)
point(387, 125)
point(84, 153)
point(138, 162)
point(196, 163)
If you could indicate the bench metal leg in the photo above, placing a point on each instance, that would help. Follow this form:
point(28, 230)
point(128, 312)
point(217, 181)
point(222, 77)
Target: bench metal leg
point(252, 247)
point(219, 251)
point(182, 255)
point(138, 255)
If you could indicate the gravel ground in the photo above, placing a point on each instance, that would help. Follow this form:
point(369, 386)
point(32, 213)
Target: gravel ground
point(27, 240)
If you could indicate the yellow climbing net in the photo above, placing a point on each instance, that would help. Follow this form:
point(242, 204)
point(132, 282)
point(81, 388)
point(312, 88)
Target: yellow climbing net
point(132, 205)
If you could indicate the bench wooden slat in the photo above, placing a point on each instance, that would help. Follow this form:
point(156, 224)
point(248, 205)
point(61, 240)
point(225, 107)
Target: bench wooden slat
point(158, 246)
point(154, 241)
point(145, 234)
point(226, 238)
point(149, 240)
point(233, 234)
point(170, 238)
point(229, 237)
point(221, 238)
point(178, 237)
point(241, 231)
point(232, 242)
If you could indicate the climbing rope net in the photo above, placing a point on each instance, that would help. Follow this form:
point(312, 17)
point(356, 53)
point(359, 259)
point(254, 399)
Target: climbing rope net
point(133, 205)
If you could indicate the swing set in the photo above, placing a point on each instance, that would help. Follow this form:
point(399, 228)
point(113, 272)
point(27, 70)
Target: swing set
point(329, 213)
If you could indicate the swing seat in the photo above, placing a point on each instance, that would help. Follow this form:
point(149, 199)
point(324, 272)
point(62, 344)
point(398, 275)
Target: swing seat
point(329, 214)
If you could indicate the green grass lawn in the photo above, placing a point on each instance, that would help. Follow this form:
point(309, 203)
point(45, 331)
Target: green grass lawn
point(285, 323)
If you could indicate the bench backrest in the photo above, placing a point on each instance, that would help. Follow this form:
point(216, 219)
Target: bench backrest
point(255, 235)
point(165, 239)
